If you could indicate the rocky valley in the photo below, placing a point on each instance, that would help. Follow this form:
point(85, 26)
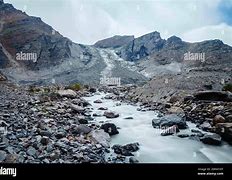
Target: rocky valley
point(173, 103)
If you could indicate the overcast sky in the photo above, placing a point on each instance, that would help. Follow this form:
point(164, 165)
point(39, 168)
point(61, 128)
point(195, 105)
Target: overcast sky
point(87, 21)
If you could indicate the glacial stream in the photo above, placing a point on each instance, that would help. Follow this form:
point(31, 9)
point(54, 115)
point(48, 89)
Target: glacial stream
point(155, 148)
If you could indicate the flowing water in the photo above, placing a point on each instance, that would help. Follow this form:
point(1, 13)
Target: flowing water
point(155, 148)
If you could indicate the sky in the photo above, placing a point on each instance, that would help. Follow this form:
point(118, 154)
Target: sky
point(87, 21)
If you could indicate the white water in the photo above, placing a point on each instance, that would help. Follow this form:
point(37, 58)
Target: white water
point(155, 148)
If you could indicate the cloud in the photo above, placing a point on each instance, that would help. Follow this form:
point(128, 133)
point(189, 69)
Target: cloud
point(87, 21)
point(221, 31)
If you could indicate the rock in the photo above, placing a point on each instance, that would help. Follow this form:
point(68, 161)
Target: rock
point(128, 118)
point(214, 96)
point(111, 114)
point(183, 135)
point(98, 101)
point(218, 119)
point(11, 159)
point(108, 96)
point(205, 126)
point(97, 114)
point(77, 108)
point(92, 90)
point(2, 156)
point(103, 108)
point(83, 121)
point(31, 151)
point(225, 130)
point(229, 118)
point(175, 110)
point(45, 133)
point(126, 150)
point(3, 145)
point(110, 128)
point(170, 120)
point(212, 139)
point(60, 134)
point(55, 155)
point(44, 140)
point(170, 131)
point(100, 137)
point(67, 93)
point(132, 160)
point(83, 129)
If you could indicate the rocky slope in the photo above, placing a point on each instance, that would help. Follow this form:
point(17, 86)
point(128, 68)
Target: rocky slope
point(114, 42)
point(58, 59)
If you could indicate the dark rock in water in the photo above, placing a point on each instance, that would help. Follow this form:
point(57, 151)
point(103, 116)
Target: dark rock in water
point(111, 114)
point(170, 131)
point(128, 118)
point(2, 156)
point(98, 101)
point(225, 130)
point(183, 135)
point(126, 150)
point(205, 126)
point(83, 121)
point(132, 160)
point(93, 90)
point(212, 139)
point(170, 120)
point(97, 114)
point(110, 128)
point(83, 129)
point(103, 108)
point(214, 96)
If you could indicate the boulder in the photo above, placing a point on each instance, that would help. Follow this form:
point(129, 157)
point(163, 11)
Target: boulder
point(205, 126)
point(67, 93)
point(126, 150)
point(110, 128)
point(103, 108)
point(98, 101)
point(170, 120)
point(218, 119)
point(100, 137)
point(83, 129)
point(77, 108)
point(212, 139)
point(111, 114)
point(225, 130)
point(213, 96)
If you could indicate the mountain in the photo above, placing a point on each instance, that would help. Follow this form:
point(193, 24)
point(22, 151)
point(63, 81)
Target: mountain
point(114, 42)
point(54, 58)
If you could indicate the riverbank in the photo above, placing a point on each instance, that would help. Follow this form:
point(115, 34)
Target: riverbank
point(53, 125)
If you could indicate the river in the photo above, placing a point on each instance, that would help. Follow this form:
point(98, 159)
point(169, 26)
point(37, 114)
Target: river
point(155, 148)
